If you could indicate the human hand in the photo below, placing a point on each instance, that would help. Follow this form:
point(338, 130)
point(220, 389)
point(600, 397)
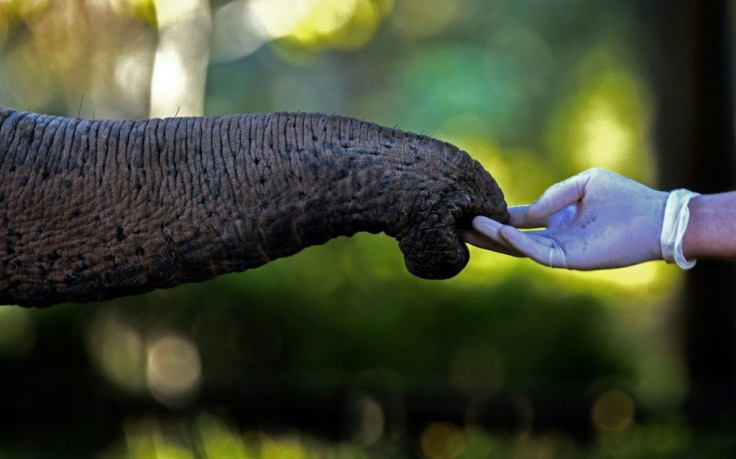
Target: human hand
point(594, 220)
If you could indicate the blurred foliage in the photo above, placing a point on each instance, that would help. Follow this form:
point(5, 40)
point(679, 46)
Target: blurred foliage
point(649, 441)
point(338, 352)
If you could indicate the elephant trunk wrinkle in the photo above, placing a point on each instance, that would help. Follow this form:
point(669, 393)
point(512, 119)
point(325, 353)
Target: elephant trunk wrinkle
point(91, 210)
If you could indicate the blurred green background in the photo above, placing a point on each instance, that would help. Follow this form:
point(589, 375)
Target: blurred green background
point(338, 351)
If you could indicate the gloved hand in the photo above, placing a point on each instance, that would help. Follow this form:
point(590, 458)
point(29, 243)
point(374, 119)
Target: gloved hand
point(594, 220)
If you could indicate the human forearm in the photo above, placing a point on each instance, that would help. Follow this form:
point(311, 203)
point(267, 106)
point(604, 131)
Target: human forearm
point(711, 232)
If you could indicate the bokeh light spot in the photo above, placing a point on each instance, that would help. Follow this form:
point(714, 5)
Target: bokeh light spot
point(304, 20)
point(178, 79)
point(325, 17)
point(605, 124)
point(442, 440)
point(603, 137)
point(174, 371)
point(236, 33)
point(169, 83)
point(368, 420)
point(313, 23)
point(118, 351)
point(613, 411)
point(278, 18)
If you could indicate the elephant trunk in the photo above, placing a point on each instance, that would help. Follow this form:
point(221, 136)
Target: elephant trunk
point(92, 210)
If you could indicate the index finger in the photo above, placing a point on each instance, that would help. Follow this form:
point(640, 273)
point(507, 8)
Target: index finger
point(519, 217)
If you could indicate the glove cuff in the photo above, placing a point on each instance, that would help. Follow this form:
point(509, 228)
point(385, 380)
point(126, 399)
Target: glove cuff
point(674, 225)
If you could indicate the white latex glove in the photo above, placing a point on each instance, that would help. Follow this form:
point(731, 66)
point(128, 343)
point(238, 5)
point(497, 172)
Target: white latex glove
point(594, 220)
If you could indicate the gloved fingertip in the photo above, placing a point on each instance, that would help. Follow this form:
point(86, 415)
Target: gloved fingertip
point(485, 225)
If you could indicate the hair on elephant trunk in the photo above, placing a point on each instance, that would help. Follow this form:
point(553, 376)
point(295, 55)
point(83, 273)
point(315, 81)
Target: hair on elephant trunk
point(91, 210)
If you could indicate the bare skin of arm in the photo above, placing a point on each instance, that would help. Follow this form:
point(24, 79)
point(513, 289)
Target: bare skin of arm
point(712, 229)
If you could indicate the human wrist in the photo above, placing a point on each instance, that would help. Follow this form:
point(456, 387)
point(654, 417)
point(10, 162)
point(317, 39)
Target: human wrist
point(675, 224)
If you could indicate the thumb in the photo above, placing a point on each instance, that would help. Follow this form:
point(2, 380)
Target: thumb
point(559, 196)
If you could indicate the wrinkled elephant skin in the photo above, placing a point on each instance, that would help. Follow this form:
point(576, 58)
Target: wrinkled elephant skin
point(91, 210)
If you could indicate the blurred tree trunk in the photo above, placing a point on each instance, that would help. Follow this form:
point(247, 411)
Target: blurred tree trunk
point(695, 140)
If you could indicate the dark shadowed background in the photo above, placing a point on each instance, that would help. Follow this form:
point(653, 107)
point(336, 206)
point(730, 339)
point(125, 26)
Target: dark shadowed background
point(338, 351)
